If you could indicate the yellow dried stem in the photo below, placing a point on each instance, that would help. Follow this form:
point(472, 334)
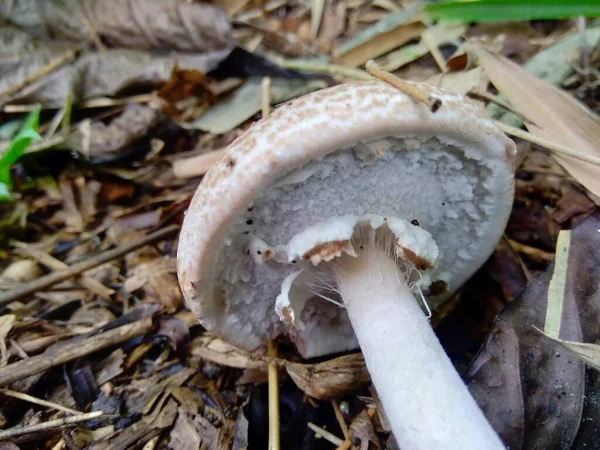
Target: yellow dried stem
point(409, 89)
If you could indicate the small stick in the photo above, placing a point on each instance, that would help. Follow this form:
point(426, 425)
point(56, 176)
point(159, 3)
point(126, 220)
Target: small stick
point(93, 33)
point(492, 98)
point(75, 269)
point(274, 437)
point(266, 97)
point(43, 71)
point(72, 350)
point(345, 446)
point(273, 374)
point(91, 284)
point(330, 437)
point(415, 93)
point(196, 166)
point(554, 147)
point(38, 401)
point(340, 418)
point(46, 426)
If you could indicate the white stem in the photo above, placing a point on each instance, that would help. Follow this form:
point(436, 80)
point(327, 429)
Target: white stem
point(426, 402)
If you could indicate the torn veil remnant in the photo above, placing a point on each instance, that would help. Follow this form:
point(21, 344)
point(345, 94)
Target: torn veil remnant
point(363, 198)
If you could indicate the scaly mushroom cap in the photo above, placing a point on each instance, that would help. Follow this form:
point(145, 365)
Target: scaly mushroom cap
point(361, 149)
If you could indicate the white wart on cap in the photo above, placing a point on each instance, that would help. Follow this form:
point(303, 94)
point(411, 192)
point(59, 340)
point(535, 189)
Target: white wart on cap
point(313, 174)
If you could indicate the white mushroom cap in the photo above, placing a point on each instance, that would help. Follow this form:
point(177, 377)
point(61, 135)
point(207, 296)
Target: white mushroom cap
point(351, 150)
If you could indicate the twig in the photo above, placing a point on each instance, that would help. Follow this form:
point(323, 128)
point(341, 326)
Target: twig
point(98, 102)
point(104, 257)
point(72, 350)
point(409, 89)
point(531, 252)
point(94, 286)
point(320, 67)
point(554, 147)
point(272, 371)
point(492, 98)
point(43, 71)
point(38, 401)
point(330, 437)
point(46, 426)
point(346, 445)
point(196, 166)
point(273, 375)
point(93, 33)
point(340, 418)
point(266, 97)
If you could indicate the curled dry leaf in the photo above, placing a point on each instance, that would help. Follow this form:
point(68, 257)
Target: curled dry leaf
point(536, 393)
point(101, 142)
point(558, 116)
point(143, 24)
point(159, 280)
point(331, 378)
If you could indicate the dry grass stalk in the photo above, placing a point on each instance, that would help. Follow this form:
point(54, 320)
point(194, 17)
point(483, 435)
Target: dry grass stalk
point(409, 89)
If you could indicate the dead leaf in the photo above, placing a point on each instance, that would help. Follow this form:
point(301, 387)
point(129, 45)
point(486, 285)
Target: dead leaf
point(558, 116)
point(393, 31)
point(234, 109)
point(185, 94)
point(6, 323)
point(534, 391)
point(105, 74)
point(331, 378)
point(240, 439)
point(461, 82)
point(159, 280)
point(143, 25)
point(334, 21)
point(22, 271)
point(362, 429)
point(184, 435)
point(215, 350)
point(439, 34)
point(101, 141)
point(588, 353)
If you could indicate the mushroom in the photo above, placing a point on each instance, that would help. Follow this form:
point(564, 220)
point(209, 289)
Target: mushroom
point(372, 208)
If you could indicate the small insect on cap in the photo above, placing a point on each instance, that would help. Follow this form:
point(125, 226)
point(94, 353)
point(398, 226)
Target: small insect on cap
point(318, 171)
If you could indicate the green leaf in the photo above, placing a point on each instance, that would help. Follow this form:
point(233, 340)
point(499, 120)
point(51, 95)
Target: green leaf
point(511, 10)
point(17, 147)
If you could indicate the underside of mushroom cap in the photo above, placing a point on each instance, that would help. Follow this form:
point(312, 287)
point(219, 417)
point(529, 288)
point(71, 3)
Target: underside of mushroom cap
point(352, 150)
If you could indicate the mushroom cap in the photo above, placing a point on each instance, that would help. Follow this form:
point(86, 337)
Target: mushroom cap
point(365, 147)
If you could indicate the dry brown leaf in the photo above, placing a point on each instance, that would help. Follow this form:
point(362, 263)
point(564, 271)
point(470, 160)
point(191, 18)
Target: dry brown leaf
point(101, 141)
point(461, 82)
point(362, 428)
point(143, 24)
point(215, 350)
point(331, 378)
point(559, 117)
point(334, 21)
point(6, 323)
point(184, 435)
point(22, 270)
point(148, 270)
point(380, 44)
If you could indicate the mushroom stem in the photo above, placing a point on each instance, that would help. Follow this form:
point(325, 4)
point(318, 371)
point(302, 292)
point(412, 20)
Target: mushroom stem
point(425, 400)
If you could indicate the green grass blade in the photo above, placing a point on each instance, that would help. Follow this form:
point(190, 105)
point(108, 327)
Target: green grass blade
point(17, 147)
point(511, 10)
